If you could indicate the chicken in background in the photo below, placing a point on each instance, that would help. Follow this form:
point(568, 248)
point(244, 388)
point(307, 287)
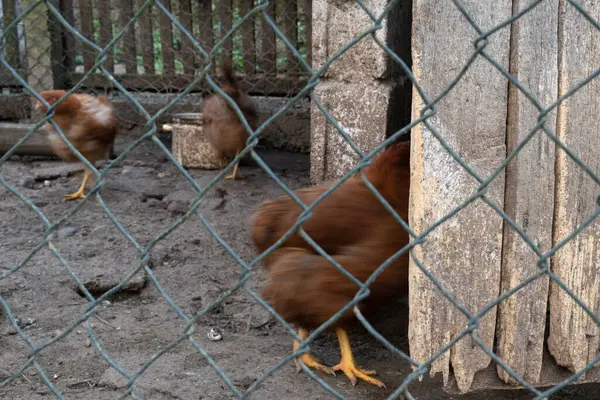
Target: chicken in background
point(222, 126)
point(355, 229)
point(90, 124)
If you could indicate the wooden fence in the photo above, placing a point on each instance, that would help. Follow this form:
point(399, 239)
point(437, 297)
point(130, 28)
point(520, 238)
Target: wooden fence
point(154, 55)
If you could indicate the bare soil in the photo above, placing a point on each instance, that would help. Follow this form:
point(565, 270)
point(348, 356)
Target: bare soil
point(147, 194)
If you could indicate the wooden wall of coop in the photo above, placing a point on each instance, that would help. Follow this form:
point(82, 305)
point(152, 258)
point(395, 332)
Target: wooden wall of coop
point(154, 55)
point(540, 332)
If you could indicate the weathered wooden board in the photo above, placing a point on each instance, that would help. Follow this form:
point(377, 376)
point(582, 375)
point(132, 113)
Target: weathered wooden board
point(464, 253)
point(36, 145)
point(574, 337)
point(529, 198)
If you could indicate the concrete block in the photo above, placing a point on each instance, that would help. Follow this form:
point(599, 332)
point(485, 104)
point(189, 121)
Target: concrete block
point(336, 23)
point(361, 110)
point(191, 148)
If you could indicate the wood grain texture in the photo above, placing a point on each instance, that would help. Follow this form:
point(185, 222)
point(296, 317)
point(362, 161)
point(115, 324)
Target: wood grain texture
point(145, 38)
point(226, 19)
point(36, 145)
point(248, 42)
point(464, 253)
point(268, 50)
point(187, 50)
point(106, 34)
point(166, 38)
point(128, 40)
point(574, 337)
point(85, 19)
point(529, 196)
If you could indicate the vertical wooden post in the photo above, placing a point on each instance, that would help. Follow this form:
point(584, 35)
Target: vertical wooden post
point(106, 33)
point(146, 38)
point(66, 7)
point(38, 42)
point(268, 47)
point(226, 18)
point(166, 39)
point(574, 337)
point(128, 40)
point(248, 42)
point(529, 198)
point(86, 17)
point(187, 50)
point(464, 253)
point(289, 17)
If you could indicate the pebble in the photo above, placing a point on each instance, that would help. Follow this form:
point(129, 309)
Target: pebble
point(47, 183)
point(65, 232)
point(88, 343)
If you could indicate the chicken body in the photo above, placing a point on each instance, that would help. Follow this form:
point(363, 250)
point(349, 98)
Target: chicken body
point(356, 230)
point(222, 127)
point(90, 124)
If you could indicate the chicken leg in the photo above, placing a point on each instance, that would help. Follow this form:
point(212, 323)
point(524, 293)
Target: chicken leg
point(235, 168)
point(79, 193)
point(348, 364)
point(308, 359)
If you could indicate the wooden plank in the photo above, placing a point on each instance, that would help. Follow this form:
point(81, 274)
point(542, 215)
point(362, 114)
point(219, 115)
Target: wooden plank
point(106, 34)
point(204, 19)
point(529, 198)
point(60, 73)
point(289, 21)
point(187, 50)
point(307, 21)
point(574, 337)
point(272, 86)
point(166, 38)
point(145, 37)
point(464, 253)
point(36, 145)
point(248, 44)
point(128, 40)
point(85, 19)
point(268, 48)
point(225, 18)
point(69, 52)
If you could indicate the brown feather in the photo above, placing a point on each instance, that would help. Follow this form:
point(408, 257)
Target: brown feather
point(353, 227)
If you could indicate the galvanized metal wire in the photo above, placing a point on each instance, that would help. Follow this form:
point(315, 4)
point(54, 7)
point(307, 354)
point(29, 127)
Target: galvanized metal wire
point(203, 74)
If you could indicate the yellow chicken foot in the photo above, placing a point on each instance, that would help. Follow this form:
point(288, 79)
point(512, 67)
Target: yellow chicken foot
point(235, 168)
point(348, 364)
point(308, 359)
point(79, 193)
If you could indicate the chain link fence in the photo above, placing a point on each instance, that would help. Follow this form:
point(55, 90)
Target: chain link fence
point(154, 60)
point(106, 52)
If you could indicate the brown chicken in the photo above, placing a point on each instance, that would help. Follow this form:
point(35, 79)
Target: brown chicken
point(223, 128)
point(90, 124)
point(355, 229)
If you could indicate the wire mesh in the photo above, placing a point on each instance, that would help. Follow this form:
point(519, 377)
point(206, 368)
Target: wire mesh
point(105, 53)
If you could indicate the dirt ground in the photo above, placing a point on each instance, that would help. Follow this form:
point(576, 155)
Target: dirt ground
point(147, 194)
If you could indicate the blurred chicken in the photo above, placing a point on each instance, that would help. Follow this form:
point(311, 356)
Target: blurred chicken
point(355, 229)
point(90, 124)
point(222, 126)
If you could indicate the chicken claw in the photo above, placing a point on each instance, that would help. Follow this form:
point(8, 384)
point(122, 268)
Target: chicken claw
point(308, 359)
point(79, 193)
point(348, 364)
